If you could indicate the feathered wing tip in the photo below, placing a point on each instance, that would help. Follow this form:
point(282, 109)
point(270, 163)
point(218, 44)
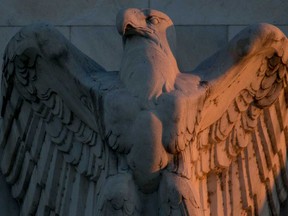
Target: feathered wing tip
point(52, 149)
point(249, 41)
point(242, 137)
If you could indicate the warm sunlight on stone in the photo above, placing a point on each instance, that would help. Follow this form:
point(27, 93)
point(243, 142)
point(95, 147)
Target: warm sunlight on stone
point(147, 138)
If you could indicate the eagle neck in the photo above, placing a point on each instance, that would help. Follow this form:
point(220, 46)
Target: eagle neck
point(148, 69)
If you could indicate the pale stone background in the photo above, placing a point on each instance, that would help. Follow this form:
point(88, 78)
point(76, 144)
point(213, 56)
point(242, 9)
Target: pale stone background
point(202, 28)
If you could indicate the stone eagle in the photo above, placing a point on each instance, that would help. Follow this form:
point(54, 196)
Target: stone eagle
point(149, 139)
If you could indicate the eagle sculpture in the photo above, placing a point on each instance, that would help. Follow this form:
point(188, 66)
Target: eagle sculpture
point(149, 139)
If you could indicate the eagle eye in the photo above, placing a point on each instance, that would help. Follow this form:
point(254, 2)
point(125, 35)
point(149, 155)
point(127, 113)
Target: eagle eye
point(152, 20)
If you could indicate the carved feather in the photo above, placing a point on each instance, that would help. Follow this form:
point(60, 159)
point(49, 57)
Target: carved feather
point(77, 139)
point(50, 150)
point(247, 142)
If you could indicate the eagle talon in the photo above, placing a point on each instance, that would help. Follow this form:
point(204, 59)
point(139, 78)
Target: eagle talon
point(119, 197)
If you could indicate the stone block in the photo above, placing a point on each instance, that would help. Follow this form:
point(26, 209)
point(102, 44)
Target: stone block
point(223, 12)
point(196, 43)
point(65, 30)
point(103, 44)
point(102, 12)
point(234, 30)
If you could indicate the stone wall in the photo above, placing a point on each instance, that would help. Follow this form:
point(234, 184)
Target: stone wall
point(202, 26)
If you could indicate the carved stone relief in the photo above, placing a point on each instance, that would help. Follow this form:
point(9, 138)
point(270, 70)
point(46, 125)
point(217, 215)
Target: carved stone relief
point(147, 140)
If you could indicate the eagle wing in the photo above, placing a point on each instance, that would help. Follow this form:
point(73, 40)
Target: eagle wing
point(242, 135)
point(236, 156)
point(53, 148)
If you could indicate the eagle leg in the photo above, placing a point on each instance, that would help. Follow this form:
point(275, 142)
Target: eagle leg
point(178, 197)
point(119, 196)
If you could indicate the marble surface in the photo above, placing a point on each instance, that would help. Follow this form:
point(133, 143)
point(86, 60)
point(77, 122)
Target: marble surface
point(223, 12)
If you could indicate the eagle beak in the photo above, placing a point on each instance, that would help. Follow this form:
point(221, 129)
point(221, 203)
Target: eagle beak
point(129, 29)
point(127, 21)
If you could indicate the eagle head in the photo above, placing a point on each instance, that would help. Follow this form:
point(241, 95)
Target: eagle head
point(148, 65)
point(148, 23)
